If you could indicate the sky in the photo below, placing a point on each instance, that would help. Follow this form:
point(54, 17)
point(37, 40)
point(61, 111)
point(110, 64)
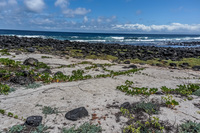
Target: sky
point(126, 16)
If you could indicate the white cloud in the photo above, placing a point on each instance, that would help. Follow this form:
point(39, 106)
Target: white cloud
point(173, 27)
point(12, 2)
point(34, 5)
point(85, 19)
point(64, 5)
point(78, 11)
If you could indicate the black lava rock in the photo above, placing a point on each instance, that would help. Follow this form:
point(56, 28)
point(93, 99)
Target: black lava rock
point(31, 50)
point(127, 62)
point(31, 62)
point(22, 80)
point(76, 114)
point(33, 121)
point(126, 105)
point(196, 68)
point(173, 64)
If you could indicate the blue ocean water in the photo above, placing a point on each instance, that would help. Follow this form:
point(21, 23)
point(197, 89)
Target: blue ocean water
point(132, 39)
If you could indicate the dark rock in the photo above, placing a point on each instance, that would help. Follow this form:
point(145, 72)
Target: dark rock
point(31, 62)
point(196, 68)
point(132, 66)
point(173, 64)
point(125, 105)
point(31, 50)
point(76, 114)
point(33, 121)
point(58, 73)
point(127, 62)
point(43, 70)
point(22, 80)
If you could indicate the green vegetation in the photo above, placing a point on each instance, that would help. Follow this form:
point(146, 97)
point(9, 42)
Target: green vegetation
point(27, 129)
point(191, 61)
point(33, 86)
point(2, 111)
point(152, 124)
point(16, 129)
point(197, 92)
point(4, 89)
point(49, 110)
point(46, 57)
point(169, 101)
point(128, 89)
point(9, 62)
point(184, 90)
point(84, 128)
point(149, 107)
point(4, 52)
point(189, 127)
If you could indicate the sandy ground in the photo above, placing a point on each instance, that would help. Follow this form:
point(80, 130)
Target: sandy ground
point(95, 95)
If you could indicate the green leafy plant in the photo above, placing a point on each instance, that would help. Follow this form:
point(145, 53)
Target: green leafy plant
point(2, 111)
point(10, 114)
point(16, 129)
point(41, 129)
point(149, 107)
point(169, 101)
point(49, 110)
point(189, 127)
point(33, 86)
point(196, 93)
point(84, 128)
point(46, 57)
point(4, 89)
point(130, 90)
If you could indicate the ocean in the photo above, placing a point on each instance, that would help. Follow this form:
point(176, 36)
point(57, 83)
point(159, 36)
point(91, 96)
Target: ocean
point(130, 39)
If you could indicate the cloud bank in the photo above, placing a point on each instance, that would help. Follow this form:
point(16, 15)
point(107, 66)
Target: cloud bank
point(34, 5)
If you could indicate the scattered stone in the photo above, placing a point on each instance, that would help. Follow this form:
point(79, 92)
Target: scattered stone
point(58, 73)
point(127, 62)
point(43, 70)
point(132, 66)
point(173, 64)
point(31, 62)
point(126, 105)
point(33, 121)
point(76, 114)
point(31, 50)
point(22, 80)
point(196, 68)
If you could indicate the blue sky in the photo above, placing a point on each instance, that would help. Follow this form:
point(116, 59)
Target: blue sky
point(129, 16)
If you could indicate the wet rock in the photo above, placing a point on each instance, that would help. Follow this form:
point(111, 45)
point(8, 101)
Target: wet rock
point(31, 62)
point(76, 114)
point(126, 105)
point(33, 121)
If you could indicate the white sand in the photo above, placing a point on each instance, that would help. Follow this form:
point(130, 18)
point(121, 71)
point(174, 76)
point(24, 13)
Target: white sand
point(95, 95)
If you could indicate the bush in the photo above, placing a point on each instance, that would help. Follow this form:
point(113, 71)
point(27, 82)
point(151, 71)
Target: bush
point(4, 89)
point(149, 107)
point(197, 92)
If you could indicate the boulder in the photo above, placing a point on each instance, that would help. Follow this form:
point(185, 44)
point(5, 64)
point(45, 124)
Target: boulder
point(33, 121)
point(31, 62)
point(43, 70)
point(76, 114)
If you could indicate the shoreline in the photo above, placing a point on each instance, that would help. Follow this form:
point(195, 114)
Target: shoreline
point(90, 83)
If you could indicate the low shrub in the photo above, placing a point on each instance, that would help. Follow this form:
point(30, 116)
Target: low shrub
point(189, 127)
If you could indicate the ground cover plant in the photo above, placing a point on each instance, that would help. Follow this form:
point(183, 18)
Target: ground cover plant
point(4, 89)
point(84, 128)
point(130, 90)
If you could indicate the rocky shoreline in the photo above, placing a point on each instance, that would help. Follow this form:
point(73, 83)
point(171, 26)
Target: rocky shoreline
point(122, 52)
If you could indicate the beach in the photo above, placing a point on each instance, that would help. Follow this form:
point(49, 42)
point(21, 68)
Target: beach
point(105, 67)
